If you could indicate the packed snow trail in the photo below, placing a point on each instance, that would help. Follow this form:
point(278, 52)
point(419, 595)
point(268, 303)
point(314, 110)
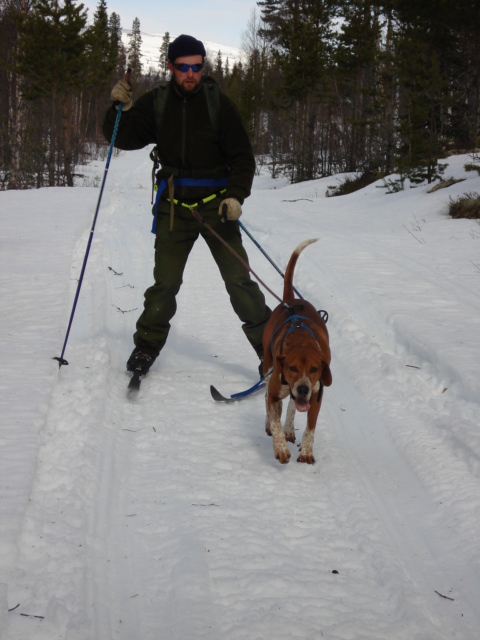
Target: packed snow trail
point(168, 516)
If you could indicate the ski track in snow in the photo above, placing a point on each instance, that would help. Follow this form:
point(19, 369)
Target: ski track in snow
point(167, 516)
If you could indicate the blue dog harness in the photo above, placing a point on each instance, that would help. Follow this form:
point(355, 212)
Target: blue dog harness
point(293, 319)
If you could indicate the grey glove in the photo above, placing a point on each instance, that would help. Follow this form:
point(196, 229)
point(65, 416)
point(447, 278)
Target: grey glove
point(230, 208)
point(122, 92)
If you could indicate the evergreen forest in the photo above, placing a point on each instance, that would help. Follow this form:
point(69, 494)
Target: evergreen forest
point(324, 86)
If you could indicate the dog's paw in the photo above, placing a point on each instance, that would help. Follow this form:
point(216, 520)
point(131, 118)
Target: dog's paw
point(307, 458)
point(290, 436)
point(282, 454)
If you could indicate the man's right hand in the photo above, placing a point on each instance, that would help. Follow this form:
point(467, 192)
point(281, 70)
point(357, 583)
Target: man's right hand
point(122, 92)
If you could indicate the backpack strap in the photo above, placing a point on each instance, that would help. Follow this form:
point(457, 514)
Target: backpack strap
point(212, 94)
point(159, 104)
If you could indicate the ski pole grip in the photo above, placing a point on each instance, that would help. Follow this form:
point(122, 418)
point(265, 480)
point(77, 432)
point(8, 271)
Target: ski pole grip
point(127, 75)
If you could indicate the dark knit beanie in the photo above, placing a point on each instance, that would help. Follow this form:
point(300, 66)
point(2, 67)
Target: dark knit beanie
point(185, 46)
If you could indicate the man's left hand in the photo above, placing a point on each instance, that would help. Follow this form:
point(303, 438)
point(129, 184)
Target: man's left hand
point(230, 209)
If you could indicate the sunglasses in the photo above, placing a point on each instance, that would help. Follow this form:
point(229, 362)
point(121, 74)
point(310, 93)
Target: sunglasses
point(185, 67)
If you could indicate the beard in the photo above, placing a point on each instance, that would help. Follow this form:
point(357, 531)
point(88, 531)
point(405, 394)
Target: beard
point(188, 85)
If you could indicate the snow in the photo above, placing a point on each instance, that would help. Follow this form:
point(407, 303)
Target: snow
point(151, 43)
point(167, 516)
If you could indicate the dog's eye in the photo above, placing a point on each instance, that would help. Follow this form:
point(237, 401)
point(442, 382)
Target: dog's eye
point(314, 370)
point(293, 369)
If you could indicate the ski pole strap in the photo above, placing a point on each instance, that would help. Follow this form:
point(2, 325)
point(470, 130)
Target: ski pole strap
point(185, 182)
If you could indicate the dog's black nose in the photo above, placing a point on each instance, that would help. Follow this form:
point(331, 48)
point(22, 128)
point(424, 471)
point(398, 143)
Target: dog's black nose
point(302, 390)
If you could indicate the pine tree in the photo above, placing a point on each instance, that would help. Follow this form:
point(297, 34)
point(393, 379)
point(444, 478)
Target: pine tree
point(422, 92)
point(103, 53)
point(52, 57)
point(301, 34)
point(163, 59)
point(452, 31)
point(356, 59)
point(252, 104)
point(463, 67)
point(234, 88)
point(102, 62)
point(385, 101)
point(117, 49)
point(422, 59)
point(12, 107)
point(134, 56)
point(218, 69)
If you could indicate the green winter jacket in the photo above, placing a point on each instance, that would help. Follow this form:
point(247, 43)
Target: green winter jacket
point(189, 144)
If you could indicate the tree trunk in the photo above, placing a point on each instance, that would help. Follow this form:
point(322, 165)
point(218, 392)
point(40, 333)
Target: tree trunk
point(15, 129)
point(53, 142)
point(67, 139)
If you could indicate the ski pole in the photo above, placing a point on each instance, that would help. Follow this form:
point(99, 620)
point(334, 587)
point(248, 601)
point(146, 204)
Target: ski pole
point(242, 226)
point(61, 359)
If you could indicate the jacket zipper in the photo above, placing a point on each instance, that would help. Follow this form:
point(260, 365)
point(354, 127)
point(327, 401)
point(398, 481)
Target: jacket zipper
point(184, 134)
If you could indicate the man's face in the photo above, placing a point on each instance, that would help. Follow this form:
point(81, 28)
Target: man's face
point(189, 80)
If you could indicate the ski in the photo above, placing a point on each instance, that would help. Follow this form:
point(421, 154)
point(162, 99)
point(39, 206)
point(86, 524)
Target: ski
point(218, 397)
point(135, 380)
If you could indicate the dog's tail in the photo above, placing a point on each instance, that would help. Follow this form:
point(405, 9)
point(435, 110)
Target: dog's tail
point(288, 294)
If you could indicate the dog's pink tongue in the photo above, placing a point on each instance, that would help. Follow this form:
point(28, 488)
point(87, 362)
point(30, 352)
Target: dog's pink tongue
point(302, 405)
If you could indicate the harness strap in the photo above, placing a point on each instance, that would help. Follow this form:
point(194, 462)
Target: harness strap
point(171, 191)
point(185, 182)
point(292, 319)
point(297, 326)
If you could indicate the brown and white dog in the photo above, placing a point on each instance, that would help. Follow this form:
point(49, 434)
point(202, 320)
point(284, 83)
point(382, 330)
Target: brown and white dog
point(295, 344)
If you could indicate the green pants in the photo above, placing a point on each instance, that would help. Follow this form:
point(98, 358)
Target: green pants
point(171, 253)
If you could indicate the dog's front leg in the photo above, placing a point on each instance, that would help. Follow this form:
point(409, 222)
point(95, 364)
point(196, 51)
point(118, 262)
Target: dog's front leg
point(280, 447)
point(306, 451)
point(289, 429)
point(277, 412)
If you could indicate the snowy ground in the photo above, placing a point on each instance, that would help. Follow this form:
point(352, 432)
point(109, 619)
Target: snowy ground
point(168, 517)
point(151, 43)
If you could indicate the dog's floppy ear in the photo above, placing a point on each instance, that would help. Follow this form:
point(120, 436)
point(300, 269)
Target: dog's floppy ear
point(326, 376)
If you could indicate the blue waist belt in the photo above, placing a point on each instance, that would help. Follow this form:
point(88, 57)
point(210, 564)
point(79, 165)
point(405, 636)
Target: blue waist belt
point(187, 182)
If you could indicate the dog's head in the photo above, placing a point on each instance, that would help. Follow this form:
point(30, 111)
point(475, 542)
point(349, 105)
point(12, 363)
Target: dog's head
point(304, 369)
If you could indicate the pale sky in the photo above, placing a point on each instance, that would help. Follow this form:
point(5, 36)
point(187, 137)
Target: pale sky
point(222, 21)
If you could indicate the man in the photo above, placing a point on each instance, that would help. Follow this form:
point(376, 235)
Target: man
point(207, 161)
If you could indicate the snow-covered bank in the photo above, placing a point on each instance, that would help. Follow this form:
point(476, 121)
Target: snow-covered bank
point(152, 42)
point(169, 517)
